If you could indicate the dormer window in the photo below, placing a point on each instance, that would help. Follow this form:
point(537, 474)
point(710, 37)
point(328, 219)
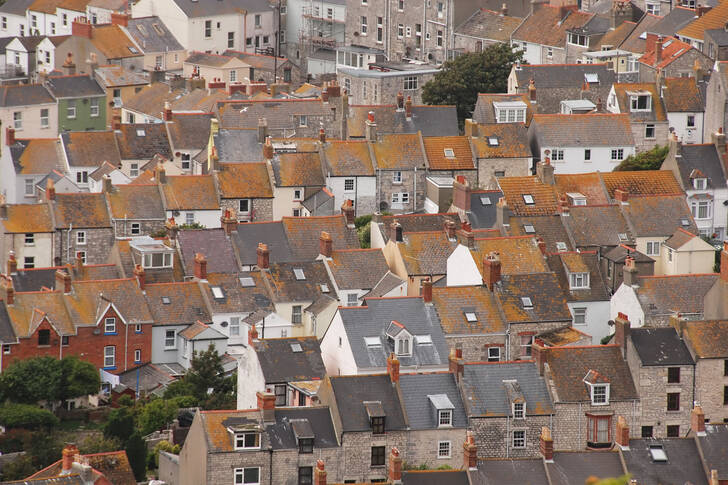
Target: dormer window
point(561, 246)
point(377, 418)
point(598, 388)
point(303, 432)
point(444, 417)
point(578, 39)
point(510, 111)
point(298, 273)
point(247, 440)
point(577, 198)
point(700, 183)
point(443, 409)
point(400, 338)
point(578, 280)
point(519, 410)
point(640, 102)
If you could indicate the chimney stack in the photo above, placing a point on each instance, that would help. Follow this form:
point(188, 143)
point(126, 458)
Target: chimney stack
point(50, 190)
point(621, 196)
point(268, 149)
point(546, 444)
point(116, 122)
point(140, 276)
point(81, 27)
point(697, 421)
point(471, 128)
point(161, 174)
point(532, 90)
point(69, 67)
point(426, 290)
point(470, 452)
point(395, 231)
point(10, 136)
point(504, 10)
point(541, 245)
point(252, 335)
point(400, 101)
point(393, 367)
point(502, 213)
point(629, 274)
point(545, 172)
point(622, 433)
point(79, 263)
point(408, 108)
point(69, 454)
point(461, 193)
point(658, 50)
point(263, 256)
point(6, 284)
point(63, 280)
point(455, 360)
point(167, 111)
point(325, 244)
point(262, 130)
point(229, 221)
point(322, 136)
point(172, 229)
point(491, 270)
point(319, 473)
point(200, 266)
point(622, 329)
point(539, 354)
point(108, 185)
point(719, 141)
point(395, 466)
point(724, 262)
point(267, 404)
point(450, 230)
point(347, 208)
point(12, 263)
point(371, 127)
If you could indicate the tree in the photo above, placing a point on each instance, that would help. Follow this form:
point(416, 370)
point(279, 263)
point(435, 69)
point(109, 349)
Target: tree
point(461, 79)
point(136, 451)
point(649, 160)
point(98, 443)
point(14, 415)
point(18, 469)
point(205, 373)
point(80, 378)
point(119, 425)
point(155, 415)
point(31, 380)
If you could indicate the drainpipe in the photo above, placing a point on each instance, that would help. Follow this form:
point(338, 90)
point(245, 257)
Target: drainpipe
point(126, 347)
point(68, 242)
point(414, 193)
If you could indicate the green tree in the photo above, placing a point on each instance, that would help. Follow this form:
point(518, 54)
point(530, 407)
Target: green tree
point(205, 373)
point(119, 425)
point(155, 415)
point(461, 79)
point(18, 469)
point(80, 378)
point(32, 380)
point(178, 388)
point(648, 160)
point(15, 415)
point(45, 448)
point(136, 451)
point(98, 443)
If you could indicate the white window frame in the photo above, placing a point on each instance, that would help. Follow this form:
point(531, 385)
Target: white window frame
point(137, 356)
point(410, 83)
point(575, 39)
point(444, 449)
point(207, 29)
point(400, 198)
point(29, 239)
point(495, 358)
point(45, 120)
point(700, 183)
point(617, 154)
point(578, 281)
point(519, 410)
point(234, 326)
point(557, 154)
point(364, 22)
point(241, 209)
point(233, 75)
point(579, 316)
point(444, 418)
point(18, 120)
point(352, 299)
point(71, 109)
point(705, 206)
point(136, 228)
point(599, 399)
point(29, 187)
point(518, 439)
point(109, 325)
point(634, 100)
point(168, 339)
point(94, 108)
point(397, 177)
point(648, 127)
point(109, 356)
point(297, 314)
point(349, 184)
point(240, 438)
point(239, 476)
point(80, 238)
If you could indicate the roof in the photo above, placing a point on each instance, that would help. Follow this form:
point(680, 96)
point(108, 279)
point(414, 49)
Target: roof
point(25, 218)
point(562, 336)
point(281, 114)
point(136, 202)
point(671, 50)
point(549, 76)
point(221, 7)
point(142, 141)
point(703, 158)
point(416, 391)
point(665, 295)
point(258, 61)
point(352, 393)
point(713, 19)
point(113, 42)
point(589, 185)
point(486, 389)
point(714, 446)
point(635, 41)
point(74, 86)
point(483, 215)
point(82, 210)
point(273, 234)
point(348, 158)
point(452, 303)
point(217, 425)
point(429, 120)
point(7, 333)
point(37, 156)
point(30, 309)
point(675, 20)
point(201, 331)
point(114, 465)
point(435, 477)
point(564, 263)
point(569, 366)
point(641, 182)
point(373, 320)
point(357, 268)
point(614, 38)
point(484, 112)
point(657, 111)
point(24, 95)
point(148, 376)
point(619, 253)
point(186, 303)
point(397, 152)
point(583, 130)
point(547, 299)
point(572, 468)
point(501, 140)
point(298, 170)
point(388, 282)
point(152, 35)
point(244, 181)
point(16, 7)
point(550, 228)
point(89, 299)
point(236, 298)
point(209, 59)
point(290, 359)
point(658, 215)
point(303, 234)
point(545, 200)
point(282, 433)
point(416, 222)
point(238, 145)
point(190, 192)
point(680, 238)
point(682, 95)
point(189, 130)
point(709, 339)
point(548, 25)
point(90, 148)
point(286, 286)
point(518, 254)
point(426, 253)
point(487, 24)
point(683, 463)
point(510, 472)
point(660, 346)
point(211, 243)
point(448, 153)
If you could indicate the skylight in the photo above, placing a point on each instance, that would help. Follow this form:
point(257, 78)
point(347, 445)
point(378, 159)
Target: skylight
point(493, 141)
point(141, 132)
point(623, 236)
point(528, 199)
point(298, 273)
point(423, 339)
point(165, 300)
point(529, 228)
point(296, 347)
point(372, 341)
point(449, 153)
point(247, 281)
point(133, 50)
point(217, 292)
point(561, 246)
point(591, 77)
point(324, 288)
point(526, 302)
point(471, 317)
point(485, 200)
point(685, 222)
point(658, 453)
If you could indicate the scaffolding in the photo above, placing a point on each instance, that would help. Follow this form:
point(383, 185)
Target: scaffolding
point(319, 27)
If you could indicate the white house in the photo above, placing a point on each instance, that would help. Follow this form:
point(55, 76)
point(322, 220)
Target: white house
point(350, 174)
point(99, 11)
point(13, 19)
point(307, 18)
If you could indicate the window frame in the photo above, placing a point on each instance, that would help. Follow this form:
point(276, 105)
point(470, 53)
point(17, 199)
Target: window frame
point(110, 353)
point(617, 154)
point(94, 108)
point(81, 238)
point(444, 449)
point(378, 456)
point(110, 326)
point(519, 413)
point(167, 338)
point(378, 425)
point(518, 439)
point(297, 314)
point(492, 358)
point(582, 315)
point(71, 109)
point(597, 397)
point(673, 402)
point(349, 184)
point(240, 441)
point(137, 356)
point(207, 29)
point(29, 239)
point(593, 431)
point(444, 418)
point(239, 475)
point(672, 378)
point(44, 338)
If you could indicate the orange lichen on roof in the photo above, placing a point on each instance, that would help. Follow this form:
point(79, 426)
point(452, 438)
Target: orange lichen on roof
point(587, 184)
point(45, 6)
point(674, 49)
point(26, 218)
point(426, 253)
point(399, 151)
point(564, 336)
point(216, 431)
point(545, 201)
point(113, 42)
point(622, 91)
point(300, 170)
point(512, 141)
point(518, 254)
point(715, 18)
point(190, 192)
point(136, 201)
point(194, 330)
point(245, 181)
point(573, 262)
point(83, 210)
point(708, 338)
point(448, 153)
point(30, 309)
point(452, 302)
point(39, 157)
point(348, 158)
point(644, 182)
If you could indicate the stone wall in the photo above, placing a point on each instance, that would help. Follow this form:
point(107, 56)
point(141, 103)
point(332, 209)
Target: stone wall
point(122, 227)
point(494, 435)
point(98, 245)
point(511, 167)
point(474, 347)
point(261, 209)
point(570, 422)
point(386, 187)
point(357, 453)
point(710, 380)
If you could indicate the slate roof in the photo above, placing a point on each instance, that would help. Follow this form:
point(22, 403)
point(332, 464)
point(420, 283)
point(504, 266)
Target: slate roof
point(24, 95)
point(348, 158)
point(373, 319)
point(435, 477)
point(208, 59)
point(281, 433)
point(16, 7)
point(221, 7)
point(247, 237)
point(572, 468)
point(511, 472)
point(704, 158)
point(211, 243)
point(544, 196)
point(547, 298)
point(682, 95)
point(238, 145)
point(285, 287)
point(216, 426)
point(298, 170)
point(237, 298)
point(258, 61)
point(548, 76)
point(429, 120)
point(549, 228)
point(420, 412)
point(635, 41)
point(657, 113)
point(90, 148)
point(683, 462)
point(709, 339)
point(136, 202)
point(680, 238)
point(569, 365)
point(580, 262)
point(25, 218)
point(152, 35)
point(658, 215)
point(664, 295)
point(280, 114)
point(190, 192)
point(189, 130)
point(452, 302)
point(74, 86)
point(142, 141)
point(512, 141)
point(619, 253)
point(416, 222)
point(186, 303)
point(244, 181)
point(280, 363)
point(660, 346)
point(83, 210)
point(487, 24)
point(548, 25)
point(486, 395)
point(350, 394)
point(399, 152)
point(7, 334)
point(483, 216)
point(714, 446)
point(484, 112)
point(582, 130)
point(357, 268)
point(675, 20)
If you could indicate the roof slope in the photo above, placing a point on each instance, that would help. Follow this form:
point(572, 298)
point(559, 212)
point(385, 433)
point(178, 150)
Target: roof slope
point(665, 295)
point(583, 130)
point(282, 361)
point(353, 392)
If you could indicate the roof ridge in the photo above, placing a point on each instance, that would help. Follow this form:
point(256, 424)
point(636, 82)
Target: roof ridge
point(688, 275)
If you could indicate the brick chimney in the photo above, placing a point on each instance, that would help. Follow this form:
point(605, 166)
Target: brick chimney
point(252, 335)
point(79, 263)
point(268, 149)
point(470, 452)
point(172, 229)
point(450, 230)
point(395, 466)
point(161, 174)
point(371, 127)
point(714, 480)
point(545, 172)
point(622, 329)
point(108, 185)
point(461, 193)
point(658, 50)
point(69, 67)
point(325, 244)
point(116, 122)
point(63, 281)
point(8, 291)
point(10, 136)
point(267, 404)
point(621, 196)
point(504, 10)
point(400, 101)
point(200, 266)
point(167, 111)
point(81, 28)
point(262, 130)
point(630, 273)
point(263, 256)
point(229, 221)
point(325, 94)
point(322, 136)
point(334, 89)
point(140, 276)
point(69, 454)
point(539, 354)
point(456, 363)
point(119, 19)
point(426, 290)
point(319, 473)
point(393, 367)
point(697, 421)
point(50, 190)
point(546, 444)
point(12, 263)
point(532, 90)
point(471, 128)
point(395, 231)
point(491, 270)
point(347, 208)
point(724, 262)
point(622, 433)
point(541, 245)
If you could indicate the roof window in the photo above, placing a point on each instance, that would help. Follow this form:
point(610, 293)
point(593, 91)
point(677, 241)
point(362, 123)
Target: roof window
point(657, 452)
point(685, 222)
point(324, 288)
point(296, 347)
point(372, 341)
point(471, 317)
point(133, 50)
point(247, 281)
point(561, 246)
point(591, 77)
point(485, 200)
point(526, 302)
point(423, 339)
point(529, 228)
point(493, 141)
point(141, 132)
point(528, 199)
point(217, 292)
point(165, 300)
point(449, 153)
point(623, 236)
point(298, 273)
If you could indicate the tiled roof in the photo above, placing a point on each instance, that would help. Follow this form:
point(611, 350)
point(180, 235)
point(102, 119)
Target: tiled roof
point(437, 146)
point(46, 6)
point(657, 113)
point(25, 218)
point(666, 295)
point(348, 158)
point(303, 234)
point(635, 41)
point(152, 34)
point(208, 59)
point(83, 210)
point(548, 25)
point(587, 184)
point(136, 202)
point(90, 148)
point(429, 120)
point(641, 182)
point(416, 222)
point(399, 152)
point(190, 192)
point(29, 310)
point(189, 130)
point(426, 253)
point(37, 156)
point(484, 112)
point(238, 298)
point(142, 141)
point(709, 339)
point(113, 42)
point(682, 94)
point(244, 181)
point(216, 425)
point(24, 95)
point(487, 24)
point(452, 302)
point(74, 86)
point(679, 238)
point(279, 113)
point(614, 38)
point(186, 303)
point(298, 170)
point(518, 255)
point(285, 287)
point(545, 200)
point(357, 268)
point(713, 19)
point(282, 361)
point(512, 141)
point(89, 299)
point(580, 262)
point(114, 465)
point(583, 130)
point(213, 244)
point(671, 50)
point(569, 365)
point(562, 336)
point(550, 228)
point(547, 298)
point(257, 61)
point(658, 215)
point(248, 236)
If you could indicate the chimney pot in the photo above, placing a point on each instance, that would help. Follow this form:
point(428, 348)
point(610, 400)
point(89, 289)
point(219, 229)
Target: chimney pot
point(546, 444)
point(268, 149)
point(395, 466)
point(322, 136)
point(229, 221)
point(140, 276)
point(629, 274)
point(325, 244)
point(621, 195)
point(69, 453)
point(252, 335)
point(347, 208)
point(400, 101)
point(491, 270)
point(262, 130)
point(470, 452)
point(50, 190)
point(532, 90)
point(450, 230)
point(12, 263)
point(167, 111)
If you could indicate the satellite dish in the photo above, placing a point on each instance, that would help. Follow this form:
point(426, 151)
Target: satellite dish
point(224, 324)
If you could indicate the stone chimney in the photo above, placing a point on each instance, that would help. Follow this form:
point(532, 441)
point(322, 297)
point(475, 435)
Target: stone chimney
point(408, 108)
point(461, 193)
point(426, 290)
point(79, 263)
point(263, 256)
point(119, 19)
point(347, 208)
point(697, 421)
point(395, 231)
point(502, 213)
point(718, 140)
point(400, 101)
point(545, 172)
point(450, 230)
point(108, 185)
point(12, 263)
point(724, 262)
point(455, 360)
point(600, 105)
point(504, 10)
point(541, 245)
point(319, 473)
point(622, 433)
point(546, 444)
point(393, 367)
point(10, 136)
point(532, 90)
point(63, 281)
point(470, 452)
point(252, 335)
point(322, 136)
point(161, 174)
point(622, 329)
point(697, 71)
point(167, 111)
point(229, 221)
point(200, 266)
point(325, 244)
point(268, 149)
point(116, 122)
point(140, 276)
point(539, 355)
point(395, 467)
point(267, 404)
point(172, 229)
point(8, 291)
point(630, 274)
point(371, 127)
point(262, 130)
point(69, 454)
point(471, 128)
point(50, 190)
point(621, 195)
point(491, 270)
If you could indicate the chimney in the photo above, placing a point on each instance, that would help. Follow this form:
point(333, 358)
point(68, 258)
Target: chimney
point(621, 195)
point(545, 172)
point(263, 256)
point(10, 136)
point(546, 444)
point(504, 10)
point(12, 263)
point(629, 275)
point(408, 108)
point(600, 105)
point(63, 280)
point(252, 335)
point(393, 367)
point(347, 208)
point(491, 270)
point(456, 363)
point(140, 276)
point(532, 90)
point(119, 19)
point(322, 136)
point(69, 67)
point(426, 290)
point(161, 174)
point(400, 101)
point(81, 28)
point(325, 94)
point(469, 239)
point(395, 231)
point(167, 111)
point(371, 127)
point(541, 245)
point(116, 122)
point(334, 89)
point(200, 266)
point(502, 213)
point(79, 263)
point(319, 474)
point(539, 354)
point(267, 149)
point(450, 230)
point(698, 71)
point(724, 262)
point(395, 466)
point(3, 209)
point(108, 186)
point(622, 329)
point(325, 244)
point(471, 128)
point(262, 130)
point(69, 453)
point(461, 193)
point(622, 433)
point(229, 221)
point(702, 10)
point(50, 190)
point(267, 404)
point(714, 480)
point(344, 116)
point(470, 452)
point(697, 421)
point(719, 141)
point(172, 229)
point(658, 50)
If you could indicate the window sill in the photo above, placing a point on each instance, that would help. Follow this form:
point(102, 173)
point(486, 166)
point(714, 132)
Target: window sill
point(113, 367)
point(110, 333)
point(44, 346)
point(138, 333)
point(443, 457)
point(598, 446)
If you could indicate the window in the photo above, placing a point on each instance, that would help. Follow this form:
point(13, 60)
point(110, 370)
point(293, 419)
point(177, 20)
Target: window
point(110, 325)
point(136, 228)
point(208, 29)
point(617, 153)
point(138, 328)
point(725, 395)
point(646, 431)
point(352, 299)
point(550, 52)
point(34, 21)
point(400, 198)
point(157, 260)
point(653, 8)
point(410, 83)
point(94, 108)
point(329, 13)
point(81, 237)
point(247, 441)
point(348, 185)
point(443, 449)
point(673, 401)
point(44, 121)
point(377, 455)
point(653, 248)
point(244, 206)
point(71, 109)
point(109, 356)
point(598, 431)
point(185, 158)
point(444, 417)
point(234, 326)
point(494, 354)
point(257, 21)
point(519, 410)
point(519, 438)
point(578, 39)
point(673, 430)
point(296, 314)
point(640, 102)
point(22, 31)
point(231, 40)
point(380, 30)
point(526, 343)
point(378, 425)
point(305, 473)
point(247, 476)
point(6, 349)
point(29, 262)
point(397, 177)
point(189, 217)
point(303, 120)
point(673, 375)
point(18, 120)
point(528, 199)
point(558, 154)
point(29, 187)
point(701, 209)
point(691, 121)
point(439, 38)
point(440, 10)
point(700, 183)
point(233, 76)
point(669, 255)
point(587, 155)
point(725, 367)
point(400, 31)
point(579, 280)
point(44, 338)
point(137, 356)
point(599, 394)
point(82, 255)
point(363, 25)
point(82, 177)
point(579, 315)
point(29, 239)
point(170, 339)
point(4, 25)
point(649, 131)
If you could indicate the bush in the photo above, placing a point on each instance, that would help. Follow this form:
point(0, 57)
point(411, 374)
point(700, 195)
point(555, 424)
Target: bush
point(18, 469)
point(156, 415)
point(162, 446)
point(119, 425)
point(362, 221)
point(365, 236)
point(13, 440)
point(136, 451)
point(26, 416)
point(649, 160)
point(97, 443)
